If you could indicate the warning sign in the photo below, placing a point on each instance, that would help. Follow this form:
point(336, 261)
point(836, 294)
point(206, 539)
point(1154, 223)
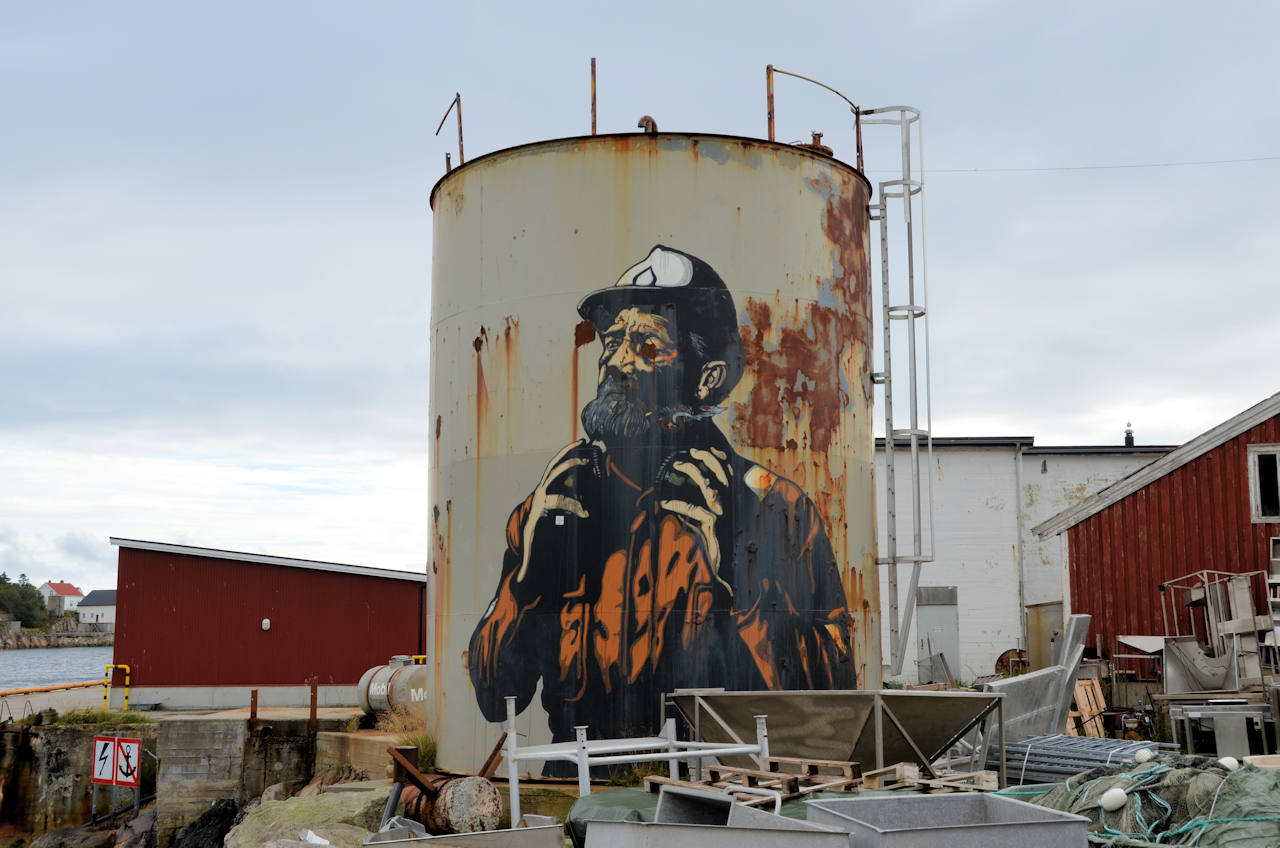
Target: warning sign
point(128, 761)
point(104, 759)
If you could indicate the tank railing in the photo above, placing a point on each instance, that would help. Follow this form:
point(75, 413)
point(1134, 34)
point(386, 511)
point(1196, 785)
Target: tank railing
point(770, 70)
point(917, 435)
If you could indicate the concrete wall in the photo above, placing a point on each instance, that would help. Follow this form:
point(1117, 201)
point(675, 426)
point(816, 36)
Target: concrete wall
point(232, 697)
point(205, 759)
point(45, 776)
point(985, 500)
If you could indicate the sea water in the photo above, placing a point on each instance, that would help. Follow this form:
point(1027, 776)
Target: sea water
point(23, 668)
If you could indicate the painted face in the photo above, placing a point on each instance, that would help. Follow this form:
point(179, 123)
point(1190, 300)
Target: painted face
point(639, 383)
point(637, 342)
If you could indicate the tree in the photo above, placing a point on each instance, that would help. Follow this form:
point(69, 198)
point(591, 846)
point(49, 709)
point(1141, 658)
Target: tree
point(24, 602)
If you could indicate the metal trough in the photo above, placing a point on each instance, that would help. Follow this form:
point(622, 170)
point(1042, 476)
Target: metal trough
point(949, 821)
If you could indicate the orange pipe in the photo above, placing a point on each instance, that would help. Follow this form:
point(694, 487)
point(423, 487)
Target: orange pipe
point(6, 693)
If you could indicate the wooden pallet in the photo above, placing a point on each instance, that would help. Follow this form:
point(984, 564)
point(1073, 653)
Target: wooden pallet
point(790, 777)
point(1089, 708)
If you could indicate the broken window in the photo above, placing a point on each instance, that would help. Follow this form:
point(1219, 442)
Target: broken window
point(1264, 483)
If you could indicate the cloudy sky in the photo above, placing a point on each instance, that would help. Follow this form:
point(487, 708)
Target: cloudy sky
point(215, 238)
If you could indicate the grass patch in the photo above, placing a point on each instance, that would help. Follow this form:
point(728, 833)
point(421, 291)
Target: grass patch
point(100, 717)
point(411, 730)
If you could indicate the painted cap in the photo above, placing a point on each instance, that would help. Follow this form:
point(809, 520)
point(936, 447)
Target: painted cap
point(666, 276)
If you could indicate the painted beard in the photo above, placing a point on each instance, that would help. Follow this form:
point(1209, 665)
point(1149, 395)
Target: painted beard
point(615, 415)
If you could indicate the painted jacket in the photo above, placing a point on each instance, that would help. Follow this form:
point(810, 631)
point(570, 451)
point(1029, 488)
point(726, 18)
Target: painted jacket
point(635, 601)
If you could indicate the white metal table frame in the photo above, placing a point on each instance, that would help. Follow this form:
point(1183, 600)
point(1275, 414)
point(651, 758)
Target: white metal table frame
point(601, 752)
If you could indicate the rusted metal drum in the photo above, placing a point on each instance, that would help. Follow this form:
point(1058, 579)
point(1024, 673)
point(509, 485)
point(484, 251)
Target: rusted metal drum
point(458, 805)
point(399, 683)
point(651, 402)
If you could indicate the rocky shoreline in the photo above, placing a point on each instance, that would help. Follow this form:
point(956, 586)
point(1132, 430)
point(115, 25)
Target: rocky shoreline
point(42, 639)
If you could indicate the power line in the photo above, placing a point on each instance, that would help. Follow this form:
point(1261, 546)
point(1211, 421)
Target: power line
point(1096, 167)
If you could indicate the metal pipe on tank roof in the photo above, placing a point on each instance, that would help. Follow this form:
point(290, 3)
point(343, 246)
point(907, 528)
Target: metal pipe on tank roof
point(593, 95)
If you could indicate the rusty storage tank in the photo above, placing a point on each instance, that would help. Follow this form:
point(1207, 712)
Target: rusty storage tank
point(652, 463)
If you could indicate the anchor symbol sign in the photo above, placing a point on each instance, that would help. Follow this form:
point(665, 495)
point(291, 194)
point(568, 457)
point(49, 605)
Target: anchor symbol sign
point(128, 754)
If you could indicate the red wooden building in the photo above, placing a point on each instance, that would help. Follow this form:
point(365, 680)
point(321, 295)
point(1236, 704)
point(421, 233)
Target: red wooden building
point(1211, 504)
point(199, 627)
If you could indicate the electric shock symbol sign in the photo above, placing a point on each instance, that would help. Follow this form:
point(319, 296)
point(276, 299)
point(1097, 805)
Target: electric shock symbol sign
point(128, 761)
point(104, 759)
point(116, 762)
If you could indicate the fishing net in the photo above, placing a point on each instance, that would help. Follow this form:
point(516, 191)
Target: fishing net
point(1174, 801)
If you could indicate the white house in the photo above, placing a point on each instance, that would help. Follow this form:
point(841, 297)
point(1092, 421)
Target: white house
point(987, 494)
point(59, 596)
point(98, 607)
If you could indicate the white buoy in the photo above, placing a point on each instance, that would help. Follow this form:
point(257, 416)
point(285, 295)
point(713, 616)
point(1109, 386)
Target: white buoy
point(1113, 799)
point(1143, 755)
point(1229, 763)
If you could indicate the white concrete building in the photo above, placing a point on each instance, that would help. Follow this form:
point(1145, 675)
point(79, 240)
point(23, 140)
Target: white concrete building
point(987, 494)
point(98, 607)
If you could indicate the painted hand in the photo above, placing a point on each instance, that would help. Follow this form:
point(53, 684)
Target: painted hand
point(702, 478)
point(546, 501)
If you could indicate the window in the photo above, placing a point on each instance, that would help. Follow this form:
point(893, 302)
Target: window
point(1264, 483)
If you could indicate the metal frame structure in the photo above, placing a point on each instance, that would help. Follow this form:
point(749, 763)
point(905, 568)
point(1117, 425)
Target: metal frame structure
point(881, 716)
point(586, 753)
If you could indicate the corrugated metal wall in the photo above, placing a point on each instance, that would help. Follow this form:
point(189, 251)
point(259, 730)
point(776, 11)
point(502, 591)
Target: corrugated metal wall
point(190, 620)
point(1192, 519)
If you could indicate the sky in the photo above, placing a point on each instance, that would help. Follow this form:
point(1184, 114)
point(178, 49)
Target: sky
point(215, 240)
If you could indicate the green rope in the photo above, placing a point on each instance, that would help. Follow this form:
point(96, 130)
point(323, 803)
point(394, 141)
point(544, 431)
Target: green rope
point(1201, 822)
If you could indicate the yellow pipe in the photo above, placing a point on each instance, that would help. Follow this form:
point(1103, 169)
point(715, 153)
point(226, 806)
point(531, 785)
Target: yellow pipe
point(6, 693)
point(106, 685)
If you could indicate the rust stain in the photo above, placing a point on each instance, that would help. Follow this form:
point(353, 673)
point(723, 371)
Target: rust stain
point(807, 407)
point(442, 587)
point(511, 358)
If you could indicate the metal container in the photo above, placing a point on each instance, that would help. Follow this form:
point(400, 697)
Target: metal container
point(711, 264)
point(962, 820)
point(618, 834)
point(399, 683)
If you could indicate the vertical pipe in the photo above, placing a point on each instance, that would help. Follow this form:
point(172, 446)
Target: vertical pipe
point(584, 767)
point(857, 132)
point(669, 733)
point(1020, 554)
point(253, 710)
point(312, 723)
point(461, 159)
point(879, 715)
point(513, 771)
point(593, 95)
point(1004, 777)
point(106, 686)
point(448, 162)
point(768, 76)
point(890, 463)
point(762, 739)
point(126, 687)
